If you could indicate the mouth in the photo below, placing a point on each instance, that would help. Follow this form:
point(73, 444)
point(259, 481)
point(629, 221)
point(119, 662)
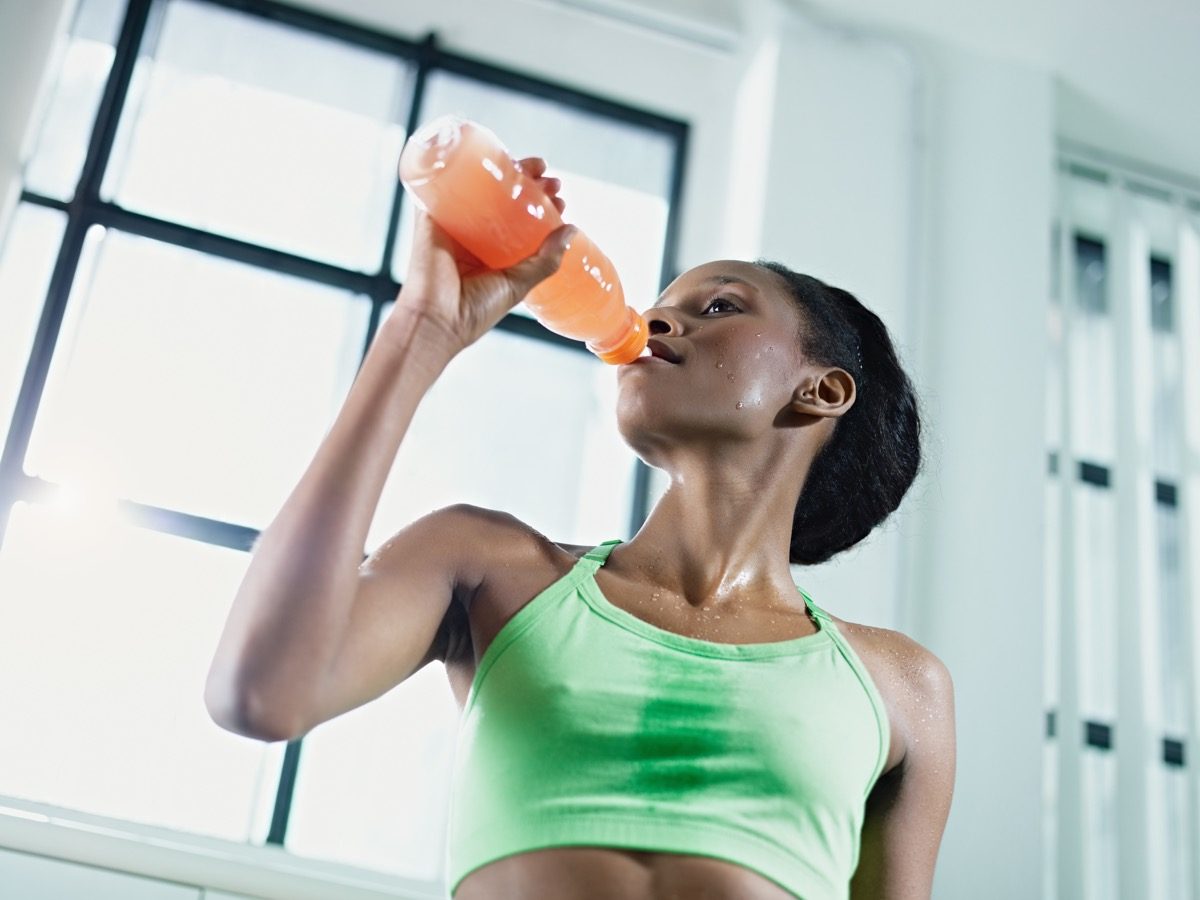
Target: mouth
point(660, 350)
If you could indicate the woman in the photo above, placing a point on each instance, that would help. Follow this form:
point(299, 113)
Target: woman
point(667, 717)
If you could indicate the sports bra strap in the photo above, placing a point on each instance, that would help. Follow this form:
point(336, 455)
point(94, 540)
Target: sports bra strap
point(599, 554)
point(812, 607)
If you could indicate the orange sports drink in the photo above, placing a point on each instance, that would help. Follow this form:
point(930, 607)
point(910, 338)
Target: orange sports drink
point(463, 177)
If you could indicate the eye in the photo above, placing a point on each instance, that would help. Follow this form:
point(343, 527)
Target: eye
point(724, 300)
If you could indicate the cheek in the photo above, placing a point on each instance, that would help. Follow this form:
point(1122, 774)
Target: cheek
point(761, 377)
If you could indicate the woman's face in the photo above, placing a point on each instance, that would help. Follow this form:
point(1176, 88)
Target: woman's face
point(733, 329)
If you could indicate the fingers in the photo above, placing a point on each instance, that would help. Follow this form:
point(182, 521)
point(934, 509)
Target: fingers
point(544, 263)
point(427, 232)
point(535, 168)
point(551, 187)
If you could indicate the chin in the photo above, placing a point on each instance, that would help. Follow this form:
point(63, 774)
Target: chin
point(635, 428)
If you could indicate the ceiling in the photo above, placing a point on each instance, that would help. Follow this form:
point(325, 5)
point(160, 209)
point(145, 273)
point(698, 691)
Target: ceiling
point(1127, 72)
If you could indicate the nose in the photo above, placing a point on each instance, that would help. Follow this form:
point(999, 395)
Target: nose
point(659, 321)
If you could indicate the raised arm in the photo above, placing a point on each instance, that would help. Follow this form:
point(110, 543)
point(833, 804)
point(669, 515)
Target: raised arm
point(304, 590)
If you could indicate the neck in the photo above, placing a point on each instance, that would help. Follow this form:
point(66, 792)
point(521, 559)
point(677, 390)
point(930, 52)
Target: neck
point(719, 535)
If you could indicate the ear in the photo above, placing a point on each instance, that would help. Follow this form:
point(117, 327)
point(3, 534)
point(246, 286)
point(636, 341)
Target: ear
point(830, 393)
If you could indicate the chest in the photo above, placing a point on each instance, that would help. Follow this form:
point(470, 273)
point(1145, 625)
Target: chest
point(744, 623)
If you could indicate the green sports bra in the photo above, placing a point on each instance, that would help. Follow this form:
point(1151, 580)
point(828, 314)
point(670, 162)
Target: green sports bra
point(586, 725)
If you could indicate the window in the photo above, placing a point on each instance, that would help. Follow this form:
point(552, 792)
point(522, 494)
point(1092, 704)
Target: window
point(1122, 593)
point(210, 232)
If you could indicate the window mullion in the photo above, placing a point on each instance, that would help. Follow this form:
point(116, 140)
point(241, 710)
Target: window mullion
point(1187, 294)
point(1069, 722)
point(112, 101)
point(1140, 818)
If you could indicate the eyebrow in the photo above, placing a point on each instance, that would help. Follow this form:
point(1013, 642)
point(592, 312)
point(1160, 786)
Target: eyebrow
point(714, 279)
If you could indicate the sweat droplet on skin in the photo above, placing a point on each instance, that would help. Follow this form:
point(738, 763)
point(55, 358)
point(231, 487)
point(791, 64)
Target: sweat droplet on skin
point(740, 404)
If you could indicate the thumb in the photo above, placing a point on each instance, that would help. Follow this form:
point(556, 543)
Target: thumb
point(544, 263)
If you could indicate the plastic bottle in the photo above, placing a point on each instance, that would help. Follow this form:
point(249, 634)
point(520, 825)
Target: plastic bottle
point(464, 178)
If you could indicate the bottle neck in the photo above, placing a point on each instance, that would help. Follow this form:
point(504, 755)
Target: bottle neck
point(626, 343)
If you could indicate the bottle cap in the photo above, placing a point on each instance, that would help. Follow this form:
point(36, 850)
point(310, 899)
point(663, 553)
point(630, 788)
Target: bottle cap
point(630, 347)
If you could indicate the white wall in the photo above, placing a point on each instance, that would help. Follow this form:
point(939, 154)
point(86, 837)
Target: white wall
point(917, 175)
point(29, 35)
point(976, 596)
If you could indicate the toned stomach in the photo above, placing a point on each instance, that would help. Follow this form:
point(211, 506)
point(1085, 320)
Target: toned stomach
point(609, 873)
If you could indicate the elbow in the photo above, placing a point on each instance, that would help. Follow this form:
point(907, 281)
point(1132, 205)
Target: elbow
point(237, 712)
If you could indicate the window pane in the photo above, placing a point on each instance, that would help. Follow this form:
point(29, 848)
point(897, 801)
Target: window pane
point(27, 258)
point(108, 634)
point(1093, 369)
point(1172, 622)
point(1052, 585)
point(1050, 751)
point(191, 382)
point(1162, 304)
point(519, 425)
point(65, 130)
point(265, 133)
point(1168, 376)
point(1100, 851)
point(616, 176)
point(1096, 600)
point(1178, 853)
point(373, 788)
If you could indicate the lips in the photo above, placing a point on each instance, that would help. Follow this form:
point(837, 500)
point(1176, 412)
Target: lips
point(660, 350)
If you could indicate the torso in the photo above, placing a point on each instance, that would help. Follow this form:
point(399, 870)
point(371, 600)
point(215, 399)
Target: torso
point(600, 873)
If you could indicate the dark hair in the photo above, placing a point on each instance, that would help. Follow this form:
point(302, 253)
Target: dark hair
point(867, 466)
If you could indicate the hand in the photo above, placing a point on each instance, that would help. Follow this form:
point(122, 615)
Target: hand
point(452, 290)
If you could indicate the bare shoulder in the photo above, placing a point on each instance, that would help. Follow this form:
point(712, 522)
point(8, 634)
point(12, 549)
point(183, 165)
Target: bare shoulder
point(914, 682)
point(919, 669)
point(510, 562)
point(501, 543)
point(906, 660)
point(908, 807)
